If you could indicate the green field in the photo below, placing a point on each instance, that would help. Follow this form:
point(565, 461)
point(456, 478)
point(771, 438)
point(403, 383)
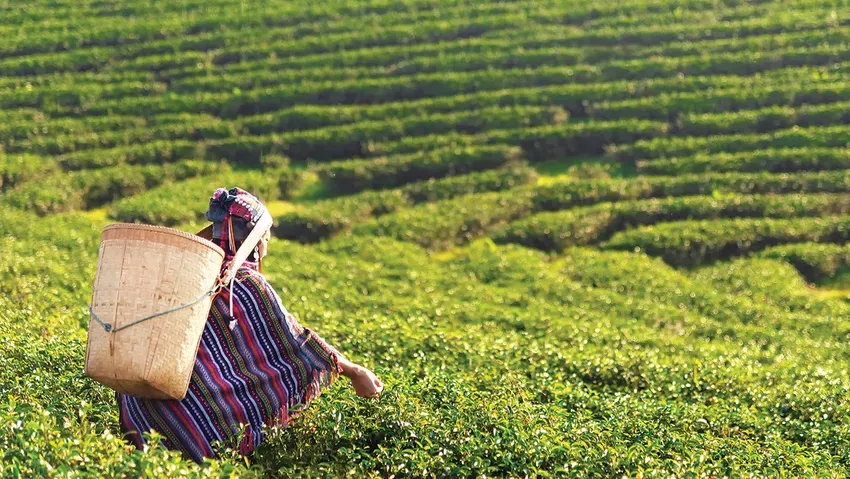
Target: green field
point(575, 239)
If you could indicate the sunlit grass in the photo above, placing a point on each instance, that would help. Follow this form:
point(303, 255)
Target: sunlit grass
point(98, 214)
point(279, 207)
point(836, 287)
point(582, 167)
point(312, 188)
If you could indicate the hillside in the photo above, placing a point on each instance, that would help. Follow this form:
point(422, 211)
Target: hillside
point(581, 239)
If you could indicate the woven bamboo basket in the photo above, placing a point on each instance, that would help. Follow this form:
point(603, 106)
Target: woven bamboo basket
point(152, 294)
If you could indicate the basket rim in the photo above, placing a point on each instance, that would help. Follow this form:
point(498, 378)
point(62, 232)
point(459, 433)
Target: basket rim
point(166, 230)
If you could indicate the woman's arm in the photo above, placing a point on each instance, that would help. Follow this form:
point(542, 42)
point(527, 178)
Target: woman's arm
point(365, 383)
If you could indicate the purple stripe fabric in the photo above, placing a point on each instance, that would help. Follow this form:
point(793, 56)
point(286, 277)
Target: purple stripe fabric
point(244, 378)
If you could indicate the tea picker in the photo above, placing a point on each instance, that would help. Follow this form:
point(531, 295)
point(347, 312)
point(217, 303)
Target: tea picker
point(196, 343)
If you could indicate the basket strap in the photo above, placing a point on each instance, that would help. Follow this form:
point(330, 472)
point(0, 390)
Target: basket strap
point(263, 224)
point(108, 326)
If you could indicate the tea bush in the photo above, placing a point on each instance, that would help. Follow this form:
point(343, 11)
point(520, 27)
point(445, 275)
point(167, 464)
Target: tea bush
point(813, 137)
point(466, 211)
point(357, 175)
point(147, 153)
point(16, 169)
point(815, 261)
point(775, 283)
point(783, 160)
point(573, 97)
point(86, 189)
point(718, 112)
point(688, 243)
point(560, 229)
point(187, 200)
point(449, 222)
point(768, 119)
point(329, 217)
point(567, 194)
point(191, 129)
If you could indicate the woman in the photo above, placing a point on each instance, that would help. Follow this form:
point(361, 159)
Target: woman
point(255, 363)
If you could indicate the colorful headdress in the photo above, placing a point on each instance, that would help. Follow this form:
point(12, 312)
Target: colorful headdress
point(234, 213)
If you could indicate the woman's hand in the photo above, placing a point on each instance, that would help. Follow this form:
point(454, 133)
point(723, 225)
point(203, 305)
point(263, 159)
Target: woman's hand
point(365, 383)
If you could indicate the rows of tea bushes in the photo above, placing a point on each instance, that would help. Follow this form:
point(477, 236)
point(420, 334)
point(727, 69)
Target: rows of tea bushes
point(689, 243)
point(778, 284)
point(351, 176)
point(353, 140)
point(329, 217)
point(555, 231)
point(561, 141)
point(466, 109)
point(594, 70)
point(568, 194)
point(186, 201)
point(426, 85)
point(221, 15)
point(768, 119)
point(102, 57)
point(161, 55)
point(36, 125)
point(173, 32)
point(498, 49)
point(179, 129)
point(174, 141)
point(590, 65)
point(240, 151)
point(628, 140)
point(341, 141)
point(349, 37)
point(683, 109)
point(557, 89)
point(450, 222)
point(208, 128)
point(572, 96)
point(532, 51)
point(515, 270)
point(153, 152)
point(482, 213)
point(62, 191)
point(543, 143)
point(780, 160)
point(356, 140)
point(66, 96)
point(20, 114)
point(819, 136)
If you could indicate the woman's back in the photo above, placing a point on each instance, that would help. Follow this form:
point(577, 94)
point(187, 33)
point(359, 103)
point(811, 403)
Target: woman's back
point(251, 369)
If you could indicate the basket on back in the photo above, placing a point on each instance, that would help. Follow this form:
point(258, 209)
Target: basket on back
point(152, 294)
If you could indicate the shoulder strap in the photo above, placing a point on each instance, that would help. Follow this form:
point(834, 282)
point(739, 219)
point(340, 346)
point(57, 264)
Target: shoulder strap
point(263, 224)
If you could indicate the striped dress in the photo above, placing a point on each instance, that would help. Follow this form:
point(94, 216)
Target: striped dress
point(248, 373)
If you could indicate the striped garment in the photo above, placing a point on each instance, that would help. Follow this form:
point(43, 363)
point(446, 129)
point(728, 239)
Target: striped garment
point(247, 376)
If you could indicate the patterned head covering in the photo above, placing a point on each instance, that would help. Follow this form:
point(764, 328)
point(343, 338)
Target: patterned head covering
point(234, 214)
